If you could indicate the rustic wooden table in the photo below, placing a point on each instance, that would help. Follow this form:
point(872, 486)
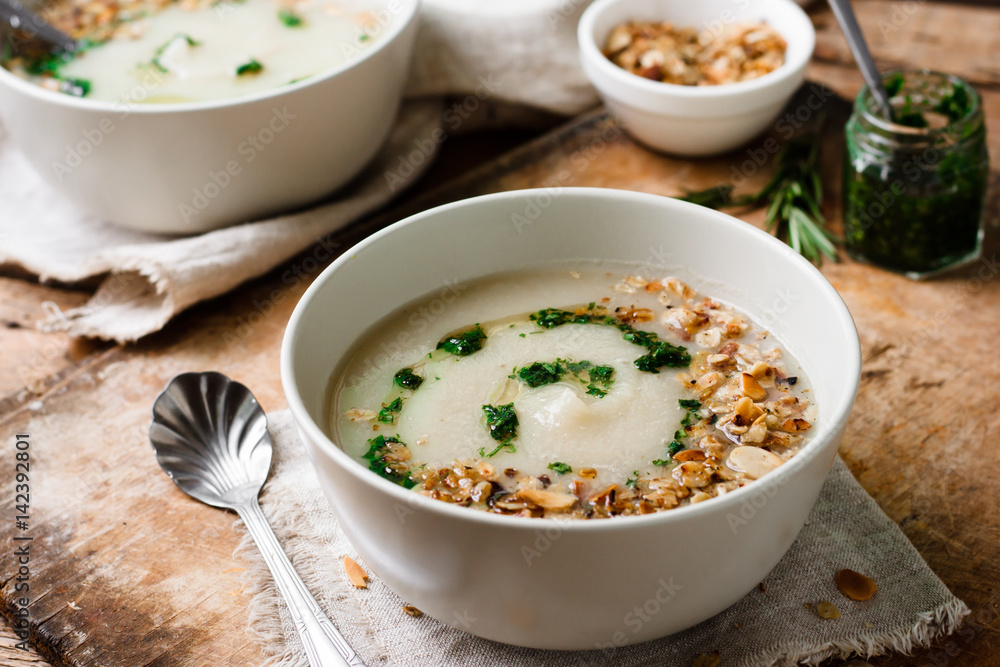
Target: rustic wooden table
point(127, 571)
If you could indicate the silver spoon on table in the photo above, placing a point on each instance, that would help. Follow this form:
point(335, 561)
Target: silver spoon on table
point(210, 435)
point(856, 40)
point(34, 26)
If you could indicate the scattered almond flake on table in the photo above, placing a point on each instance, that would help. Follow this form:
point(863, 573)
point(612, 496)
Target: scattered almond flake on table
point(412, 611)
point(825, 609)
point(355, 573)
point(855, 585)
point(707, 659)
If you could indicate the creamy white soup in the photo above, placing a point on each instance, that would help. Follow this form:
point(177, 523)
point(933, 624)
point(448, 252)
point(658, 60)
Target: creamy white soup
point(192, 51)
point(587, 391)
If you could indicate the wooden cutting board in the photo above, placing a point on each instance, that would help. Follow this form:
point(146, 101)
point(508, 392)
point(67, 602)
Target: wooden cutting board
point(126, 570)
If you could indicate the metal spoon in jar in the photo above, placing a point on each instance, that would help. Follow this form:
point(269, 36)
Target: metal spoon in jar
point(210, 435)
point(33, 26)
point(856, 40)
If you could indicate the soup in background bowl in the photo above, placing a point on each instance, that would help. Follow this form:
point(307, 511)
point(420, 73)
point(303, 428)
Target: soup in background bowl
point(566, 584)
point(187, 163)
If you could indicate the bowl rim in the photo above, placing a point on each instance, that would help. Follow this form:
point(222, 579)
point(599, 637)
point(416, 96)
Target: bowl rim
point(591, 52)
point(405, 18)
point(837, 413)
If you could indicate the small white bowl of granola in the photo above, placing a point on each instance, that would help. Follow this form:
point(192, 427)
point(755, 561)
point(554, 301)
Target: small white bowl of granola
point(532, 467)
point(695, 78)
point(182, 117)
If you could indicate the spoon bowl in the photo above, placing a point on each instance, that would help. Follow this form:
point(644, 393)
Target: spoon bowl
point(210, 436)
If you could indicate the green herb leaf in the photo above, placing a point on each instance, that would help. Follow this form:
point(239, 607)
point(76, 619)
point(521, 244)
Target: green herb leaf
point(633, 480)
point(74, 87)
point(407, 379)
point(663, 354)
point(661, 462)
point(541, 373)
point(714, 197)
point(252, 67)
point(289, 18)
point(501, 420)
point(465, 343)
point(394, 471)
point(560, 468)
point(387, 414)
point(793, 198)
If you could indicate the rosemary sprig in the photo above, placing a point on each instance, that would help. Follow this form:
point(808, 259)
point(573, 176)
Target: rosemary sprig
point(793, 197)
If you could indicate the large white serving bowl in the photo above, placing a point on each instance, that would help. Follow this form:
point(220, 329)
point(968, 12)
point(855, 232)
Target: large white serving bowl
point(547, 583)
point(695, 120)
point(190, 167)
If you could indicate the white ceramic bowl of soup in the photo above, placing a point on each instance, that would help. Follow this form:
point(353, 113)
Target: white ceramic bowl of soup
point(189, 167)
point(695, 120)
point(550, 583)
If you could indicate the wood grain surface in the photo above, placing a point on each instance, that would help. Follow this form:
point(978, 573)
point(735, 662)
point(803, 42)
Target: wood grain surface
point(127, 571)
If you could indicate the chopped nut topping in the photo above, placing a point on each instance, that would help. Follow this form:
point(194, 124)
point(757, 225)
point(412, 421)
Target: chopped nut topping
point(412, 611)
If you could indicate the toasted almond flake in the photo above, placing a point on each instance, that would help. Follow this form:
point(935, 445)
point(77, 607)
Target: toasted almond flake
point(855, 585)
point(753, 462)
point(412, 611)
point(751, 388)
point(827, 610)
point(707, 659)
point(550, 500)
point(689, 455)
point(718, 360)
point(360, 415)
point(355, 573)
point(588, 473)
point(795, 425)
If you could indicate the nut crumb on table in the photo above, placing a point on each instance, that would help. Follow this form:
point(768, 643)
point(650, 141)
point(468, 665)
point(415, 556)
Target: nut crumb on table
point(355, 573)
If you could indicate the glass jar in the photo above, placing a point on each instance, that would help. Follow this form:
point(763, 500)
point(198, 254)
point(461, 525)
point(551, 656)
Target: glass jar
point(914, 190)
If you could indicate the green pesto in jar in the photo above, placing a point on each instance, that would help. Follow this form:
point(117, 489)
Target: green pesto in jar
point(914, 189)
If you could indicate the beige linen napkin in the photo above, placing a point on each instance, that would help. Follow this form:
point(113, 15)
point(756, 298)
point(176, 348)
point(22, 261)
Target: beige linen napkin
point(520, 52)
point(767, 627)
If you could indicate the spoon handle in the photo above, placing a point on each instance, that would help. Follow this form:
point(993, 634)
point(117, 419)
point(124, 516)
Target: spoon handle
point(859, 47)
point(32, 25)
point(325, 646)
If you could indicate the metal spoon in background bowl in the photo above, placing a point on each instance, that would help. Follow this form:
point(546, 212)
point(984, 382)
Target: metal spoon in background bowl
point(856, 40)
point(34, 27)
point(210, 435)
